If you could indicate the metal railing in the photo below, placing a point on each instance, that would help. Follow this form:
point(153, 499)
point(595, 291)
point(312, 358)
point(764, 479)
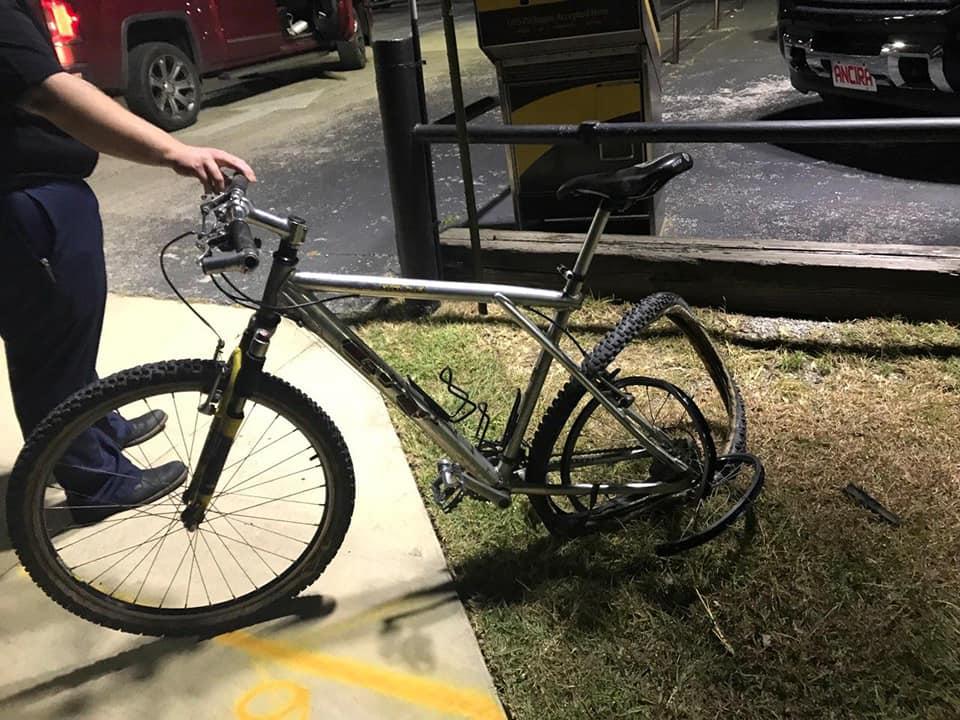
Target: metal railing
point(675, 11)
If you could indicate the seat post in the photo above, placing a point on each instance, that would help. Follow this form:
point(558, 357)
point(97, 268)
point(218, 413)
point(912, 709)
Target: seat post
point(582, 266)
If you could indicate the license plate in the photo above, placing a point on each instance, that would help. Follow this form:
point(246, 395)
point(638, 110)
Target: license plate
point(853, 76)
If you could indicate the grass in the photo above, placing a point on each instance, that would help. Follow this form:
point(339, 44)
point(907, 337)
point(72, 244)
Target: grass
point(812, 609)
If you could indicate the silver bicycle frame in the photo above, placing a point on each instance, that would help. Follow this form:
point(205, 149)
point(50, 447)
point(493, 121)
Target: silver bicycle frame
point(495, 483)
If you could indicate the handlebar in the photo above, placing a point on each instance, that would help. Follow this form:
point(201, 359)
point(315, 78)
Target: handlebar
point(242, 252)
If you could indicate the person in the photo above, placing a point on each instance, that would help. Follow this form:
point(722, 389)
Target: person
point(53, 285)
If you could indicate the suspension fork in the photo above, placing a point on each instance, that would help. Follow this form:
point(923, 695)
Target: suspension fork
point(237, 385)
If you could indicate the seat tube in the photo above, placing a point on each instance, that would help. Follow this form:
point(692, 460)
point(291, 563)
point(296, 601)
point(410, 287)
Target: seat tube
point(589, 249)
point(574, 284)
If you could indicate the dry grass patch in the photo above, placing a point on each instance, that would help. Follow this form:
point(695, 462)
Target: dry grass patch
point(824, 611)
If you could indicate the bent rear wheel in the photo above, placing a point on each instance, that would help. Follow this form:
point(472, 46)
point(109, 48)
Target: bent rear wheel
point(578, 442)
point(277, 518)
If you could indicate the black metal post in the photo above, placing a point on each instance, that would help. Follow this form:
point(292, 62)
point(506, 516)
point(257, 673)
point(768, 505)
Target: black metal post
point(409, 165)
point(675, 58)
point(466, 162)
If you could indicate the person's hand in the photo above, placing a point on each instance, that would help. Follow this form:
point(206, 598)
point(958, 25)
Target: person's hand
point(206, 165)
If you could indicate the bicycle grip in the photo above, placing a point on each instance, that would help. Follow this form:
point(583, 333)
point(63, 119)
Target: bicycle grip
point(238, 182)
point(244, 261)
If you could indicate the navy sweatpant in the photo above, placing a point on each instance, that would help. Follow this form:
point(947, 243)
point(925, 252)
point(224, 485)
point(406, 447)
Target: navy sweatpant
point(52, 295)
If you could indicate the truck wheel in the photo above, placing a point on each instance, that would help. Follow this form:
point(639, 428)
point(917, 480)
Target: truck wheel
point(163, 85)
point(353, 52)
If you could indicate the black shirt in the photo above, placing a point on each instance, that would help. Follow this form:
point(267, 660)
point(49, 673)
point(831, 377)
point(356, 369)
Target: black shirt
point(32, 151)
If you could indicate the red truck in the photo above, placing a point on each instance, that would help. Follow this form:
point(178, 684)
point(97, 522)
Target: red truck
point(156, 52)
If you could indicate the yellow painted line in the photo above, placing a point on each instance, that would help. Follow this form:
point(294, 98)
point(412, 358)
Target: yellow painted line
point(416, 690)
point(274, 700)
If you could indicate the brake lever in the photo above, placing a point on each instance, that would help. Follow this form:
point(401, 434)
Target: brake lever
point(208, 206)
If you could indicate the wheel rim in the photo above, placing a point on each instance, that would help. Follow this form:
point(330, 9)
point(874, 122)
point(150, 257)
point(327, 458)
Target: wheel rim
point(244, 550)
point(172, 86)
point(598, 450)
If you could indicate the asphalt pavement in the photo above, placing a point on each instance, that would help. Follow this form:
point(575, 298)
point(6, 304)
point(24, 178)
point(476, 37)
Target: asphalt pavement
point(313, 134)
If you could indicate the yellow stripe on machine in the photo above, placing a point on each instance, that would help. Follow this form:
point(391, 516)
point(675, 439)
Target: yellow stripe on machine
point(595, 101)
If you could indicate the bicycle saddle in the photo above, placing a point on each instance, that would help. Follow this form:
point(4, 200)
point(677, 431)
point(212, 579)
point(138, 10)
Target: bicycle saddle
point(626, 187)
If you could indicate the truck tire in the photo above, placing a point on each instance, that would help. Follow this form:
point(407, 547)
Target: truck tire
point(353, 52)
point(163, 85)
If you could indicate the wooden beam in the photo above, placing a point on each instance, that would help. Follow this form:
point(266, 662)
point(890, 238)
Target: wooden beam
point(763, 277)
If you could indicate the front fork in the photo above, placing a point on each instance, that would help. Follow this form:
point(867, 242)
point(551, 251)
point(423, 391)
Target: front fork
point(235, 387)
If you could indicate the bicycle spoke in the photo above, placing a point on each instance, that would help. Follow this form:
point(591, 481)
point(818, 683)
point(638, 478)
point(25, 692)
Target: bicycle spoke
point(134, 568)
point(269, 499)
point(160, 544)
point(176, 411)
point(279, 520)
point(207, 528)
point(244, 484)
point(110, 525)
point(175, 573)
point(265, 447)
point(283, 497)
point(116, 552)
point(172, 446)
point(253, 449)
point(265, 529)
point(126, 555)
point(193, 437)
point(240, 541)
point(215, 562)
point(267, 482)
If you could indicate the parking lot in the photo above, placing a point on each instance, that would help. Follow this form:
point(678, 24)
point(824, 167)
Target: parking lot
point(313, 134)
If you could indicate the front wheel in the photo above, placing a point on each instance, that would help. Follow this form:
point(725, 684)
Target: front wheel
point(278, 515)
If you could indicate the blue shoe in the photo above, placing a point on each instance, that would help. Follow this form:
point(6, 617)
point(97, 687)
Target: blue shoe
point(141, 429)
point(119, 495)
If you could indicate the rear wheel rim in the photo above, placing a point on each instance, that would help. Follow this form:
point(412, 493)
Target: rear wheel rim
point(687, 427)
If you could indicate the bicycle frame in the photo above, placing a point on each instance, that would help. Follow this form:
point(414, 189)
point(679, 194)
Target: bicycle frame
point(495, 483)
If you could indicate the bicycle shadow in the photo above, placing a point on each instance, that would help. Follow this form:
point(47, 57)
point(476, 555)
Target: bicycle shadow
point(597, 565)
point(140, 664)
point(394, 620)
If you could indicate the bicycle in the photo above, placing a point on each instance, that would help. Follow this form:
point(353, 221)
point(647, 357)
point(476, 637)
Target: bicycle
point(614, 446)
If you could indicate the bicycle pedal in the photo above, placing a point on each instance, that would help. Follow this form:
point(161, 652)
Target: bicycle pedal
point(448, 487)
point(446, 498)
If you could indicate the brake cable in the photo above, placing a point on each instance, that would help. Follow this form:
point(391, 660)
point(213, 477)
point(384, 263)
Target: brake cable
point(163, 269)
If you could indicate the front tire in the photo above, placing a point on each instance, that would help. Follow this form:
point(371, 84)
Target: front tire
point(266, 517)
point(163, 85)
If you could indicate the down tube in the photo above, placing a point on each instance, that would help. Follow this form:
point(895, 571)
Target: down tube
point(414, 403)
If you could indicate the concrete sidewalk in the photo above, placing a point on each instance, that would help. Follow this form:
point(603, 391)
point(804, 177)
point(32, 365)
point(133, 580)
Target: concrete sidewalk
point(380, 635)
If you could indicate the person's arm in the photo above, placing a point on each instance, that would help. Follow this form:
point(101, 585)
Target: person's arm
point(85, 113)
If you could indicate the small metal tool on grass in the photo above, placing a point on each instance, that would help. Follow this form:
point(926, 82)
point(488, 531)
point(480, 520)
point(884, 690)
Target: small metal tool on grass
point(864, 499)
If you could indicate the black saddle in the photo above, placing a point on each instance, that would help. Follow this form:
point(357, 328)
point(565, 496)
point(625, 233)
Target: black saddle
point(624, 188)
